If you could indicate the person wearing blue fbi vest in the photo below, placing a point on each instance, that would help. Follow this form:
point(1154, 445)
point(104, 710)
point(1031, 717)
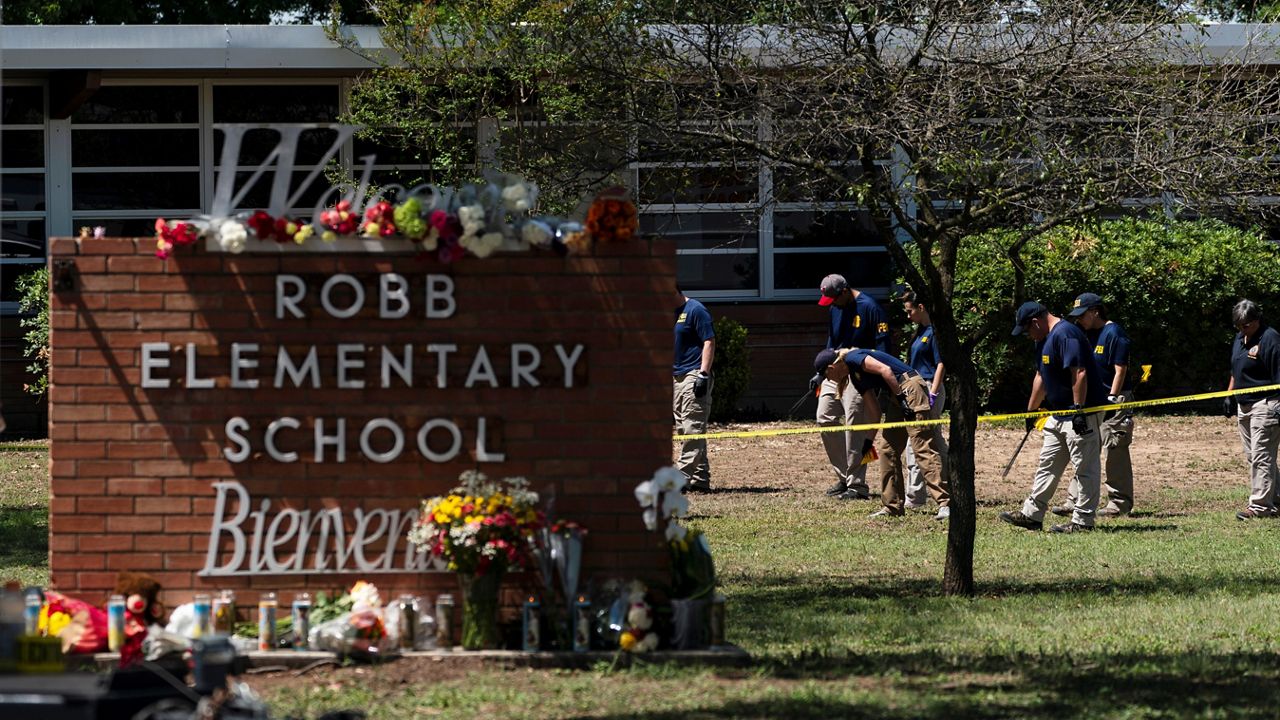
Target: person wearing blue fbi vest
point(875, 375)
point(1255, 362)
point(925, 358)
point(695, 353)
point(1066, 378)
point(856, 320)
point(1111, 351)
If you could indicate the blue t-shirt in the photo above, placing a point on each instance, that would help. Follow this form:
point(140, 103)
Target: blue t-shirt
point(863, 380)
point(1257, 362)
point(1067, 347)
point(693, 328)
point(924, 357)
point(859, 324)
point(1111, 348)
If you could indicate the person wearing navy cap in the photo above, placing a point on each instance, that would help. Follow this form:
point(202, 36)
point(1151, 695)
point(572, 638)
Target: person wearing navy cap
point(856, 320)
point(1066, 378)
point(925, 358)
point(1111, 352)
point(873, 374)
point(1255, 362)
point(695, 353)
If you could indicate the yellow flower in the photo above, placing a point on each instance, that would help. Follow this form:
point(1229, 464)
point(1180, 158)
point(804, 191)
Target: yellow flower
point(626, 641)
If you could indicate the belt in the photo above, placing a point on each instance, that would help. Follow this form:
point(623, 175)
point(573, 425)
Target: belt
point(908, 375)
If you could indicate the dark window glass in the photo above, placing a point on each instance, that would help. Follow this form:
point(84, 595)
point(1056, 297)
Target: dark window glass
point(792, 184)
point(718, 272)
point(275, 103)
point(121, 227)
point(22, 105)
point(129, 148)
point(21, 239)
point(805, 271)
point(259, 196)
point(259, 142)
point(698, 185)
point(124, 191)
point(22, 148)
point(21, 193)
point(141, 104)
point(704, 231)
point(823, 229)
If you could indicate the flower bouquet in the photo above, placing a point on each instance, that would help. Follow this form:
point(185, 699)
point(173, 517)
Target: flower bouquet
point(350, 625)
point(480, 529)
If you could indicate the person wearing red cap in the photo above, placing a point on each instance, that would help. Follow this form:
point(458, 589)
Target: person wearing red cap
point(856, 321)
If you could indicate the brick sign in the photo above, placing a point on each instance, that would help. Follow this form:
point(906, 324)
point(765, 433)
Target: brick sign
point(273, 422)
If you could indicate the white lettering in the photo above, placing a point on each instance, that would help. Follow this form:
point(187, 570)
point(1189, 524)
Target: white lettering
point(396, 447)
point(440, 302)
point(338, 440)
point(232, 528)
point(402, 367)
point(326, 299)
point(482, 442)
point(481, 369)
point(239, 362)
point(289, 301)
point(150, 361)
point(454, 448)
point(522, 370)
point(270, 439)
point(234, 427)
point(193, 382)
point(399, 293)
point(310, 366)
point(275, 540)
point(349, 359)
point(569, 361)
point(442, 362)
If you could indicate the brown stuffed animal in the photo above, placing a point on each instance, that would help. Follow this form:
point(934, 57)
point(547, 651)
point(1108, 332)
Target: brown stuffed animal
point(142, 607)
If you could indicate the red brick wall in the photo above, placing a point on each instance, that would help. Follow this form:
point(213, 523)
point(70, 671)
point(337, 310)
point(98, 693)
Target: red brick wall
point(133, 468)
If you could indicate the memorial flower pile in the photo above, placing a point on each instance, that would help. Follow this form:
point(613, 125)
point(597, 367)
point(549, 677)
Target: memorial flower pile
point(482, 526)
point(442, 223)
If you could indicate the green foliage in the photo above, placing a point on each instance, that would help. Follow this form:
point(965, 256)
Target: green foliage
point(1170, 284)
point(33, 289)
point(732, 368)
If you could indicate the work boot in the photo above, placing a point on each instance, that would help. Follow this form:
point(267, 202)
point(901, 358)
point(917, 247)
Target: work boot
point(1111, 511)
point(1016, 517)
point(1071, 528)
point(854, 494)
point(885, 512)
point(698, 486)
point(838, 489)
point(1062, 510)
point(1251, 514)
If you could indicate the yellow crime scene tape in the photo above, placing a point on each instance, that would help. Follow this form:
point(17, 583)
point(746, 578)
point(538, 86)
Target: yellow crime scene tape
point(981, 418)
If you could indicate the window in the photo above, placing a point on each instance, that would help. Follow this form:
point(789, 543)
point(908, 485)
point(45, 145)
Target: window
point(24, 205)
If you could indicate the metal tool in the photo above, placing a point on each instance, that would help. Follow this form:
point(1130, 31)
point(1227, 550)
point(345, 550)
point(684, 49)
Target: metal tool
point(1016, 450)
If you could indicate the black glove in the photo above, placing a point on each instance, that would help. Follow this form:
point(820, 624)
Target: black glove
point(1031, 423)
point(1229, 406)
point(700, 385)
point(815, 381)
point(907, 412)
point(1080, 423)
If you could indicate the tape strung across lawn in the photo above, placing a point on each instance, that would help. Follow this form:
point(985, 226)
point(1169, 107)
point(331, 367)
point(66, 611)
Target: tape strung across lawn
point(981, 418)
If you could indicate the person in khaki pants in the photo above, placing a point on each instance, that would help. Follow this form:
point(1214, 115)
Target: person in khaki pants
point(872, 372)
point(925, 358)
point(1255, 362)
point(1111, 352)
point(695, 353)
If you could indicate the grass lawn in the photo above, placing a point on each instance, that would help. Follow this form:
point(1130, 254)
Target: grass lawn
point(1174, 612)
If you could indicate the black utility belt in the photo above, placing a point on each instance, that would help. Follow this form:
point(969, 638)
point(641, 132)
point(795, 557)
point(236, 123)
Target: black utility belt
point(908, 375)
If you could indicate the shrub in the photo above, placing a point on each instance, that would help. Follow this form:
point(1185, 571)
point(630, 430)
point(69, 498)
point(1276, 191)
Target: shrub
point(33, 289)
point(732, 368)
point(1171, 284)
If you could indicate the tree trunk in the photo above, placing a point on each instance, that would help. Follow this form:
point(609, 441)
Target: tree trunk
point(962, 377)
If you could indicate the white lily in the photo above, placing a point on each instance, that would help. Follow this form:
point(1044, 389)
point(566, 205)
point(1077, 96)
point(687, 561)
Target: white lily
point(647, 494)
point(651, 518)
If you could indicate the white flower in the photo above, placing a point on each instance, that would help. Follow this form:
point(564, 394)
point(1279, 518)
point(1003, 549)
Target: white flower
point(537, 233)
point(232, 236)
point(674, 505)
point(638, 616)
point(650, 518)
point(472, 219)
point(669, 479)
point(482, 246)
point(364, 596)
point(648, 644)
point(647, 494)
point(675, 532)
point(515, 198)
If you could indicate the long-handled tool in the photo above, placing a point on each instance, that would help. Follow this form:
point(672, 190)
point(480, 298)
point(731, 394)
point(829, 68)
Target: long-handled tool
point(799, 402)
point(1016, 450)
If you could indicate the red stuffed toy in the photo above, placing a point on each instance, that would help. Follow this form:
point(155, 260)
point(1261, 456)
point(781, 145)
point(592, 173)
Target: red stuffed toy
point(142, 607)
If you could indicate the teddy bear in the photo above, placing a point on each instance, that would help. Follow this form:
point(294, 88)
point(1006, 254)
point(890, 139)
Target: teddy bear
point(142, 607)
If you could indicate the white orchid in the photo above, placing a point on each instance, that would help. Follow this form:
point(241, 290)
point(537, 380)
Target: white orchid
point(483, 245)
point(675, 532)
point(472, 219)
point(669, 479)
point(515, 198)
point(232, 236)
point(650, 516)
point(674, 505)
point(647, 494)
